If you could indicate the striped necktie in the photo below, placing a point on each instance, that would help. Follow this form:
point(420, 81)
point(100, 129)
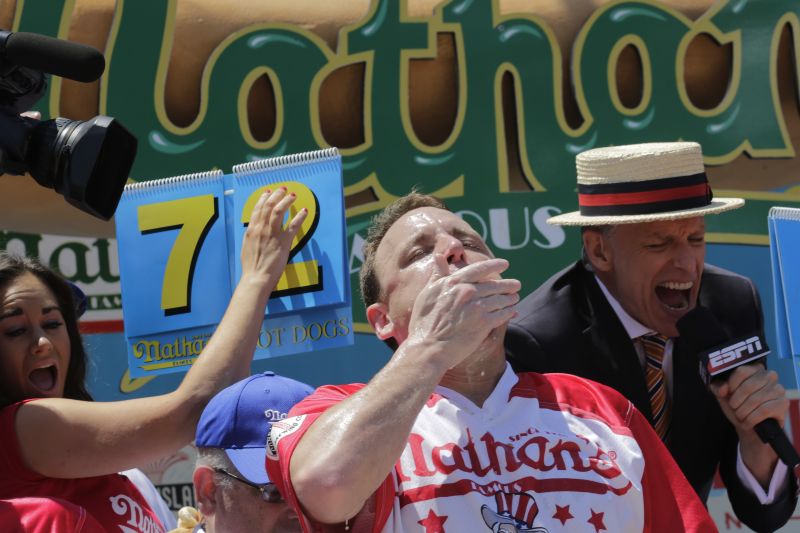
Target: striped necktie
point(656, 386)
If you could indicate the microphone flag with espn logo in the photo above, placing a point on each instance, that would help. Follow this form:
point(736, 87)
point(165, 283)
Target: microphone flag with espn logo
point(731, 354)
point(784, 243)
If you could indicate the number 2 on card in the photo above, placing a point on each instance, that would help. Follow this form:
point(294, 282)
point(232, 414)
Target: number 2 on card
point(300, 276)
point(193, 218)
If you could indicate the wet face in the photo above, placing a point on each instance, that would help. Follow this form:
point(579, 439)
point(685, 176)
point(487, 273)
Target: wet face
point(243, 509)
point(404, 260)
point(653, 269)
point(34, 343)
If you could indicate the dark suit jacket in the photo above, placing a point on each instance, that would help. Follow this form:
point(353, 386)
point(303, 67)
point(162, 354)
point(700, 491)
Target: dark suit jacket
point(567, 325)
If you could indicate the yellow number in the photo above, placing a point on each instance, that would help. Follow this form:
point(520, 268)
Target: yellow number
point(193, 217)
point(302, 276)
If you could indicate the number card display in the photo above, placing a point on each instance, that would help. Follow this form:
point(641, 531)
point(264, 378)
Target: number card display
point(179, 244)
point(784, 243)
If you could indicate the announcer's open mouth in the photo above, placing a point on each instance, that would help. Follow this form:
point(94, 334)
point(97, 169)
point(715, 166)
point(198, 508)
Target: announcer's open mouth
point(675, 295)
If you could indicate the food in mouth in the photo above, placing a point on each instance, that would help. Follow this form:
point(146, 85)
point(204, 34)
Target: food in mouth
point(675, 295)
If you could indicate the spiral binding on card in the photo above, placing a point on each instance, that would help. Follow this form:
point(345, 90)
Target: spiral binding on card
point(286, 161)
point(171, 183)
point(786, 213)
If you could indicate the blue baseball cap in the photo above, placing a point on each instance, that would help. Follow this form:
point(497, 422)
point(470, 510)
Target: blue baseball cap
point(239, 417)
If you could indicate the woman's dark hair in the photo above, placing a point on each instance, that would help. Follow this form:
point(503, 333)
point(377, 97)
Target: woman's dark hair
point(13, 266)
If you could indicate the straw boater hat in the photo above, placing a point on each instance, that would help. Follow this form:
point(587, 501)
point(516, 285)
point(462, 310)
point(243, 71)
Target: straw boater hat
point(642, 183)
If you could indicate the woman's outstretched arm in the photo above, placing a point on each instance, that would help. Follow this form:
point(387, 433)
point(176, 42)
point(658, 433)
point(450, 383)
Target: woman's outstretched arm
point(69, 438)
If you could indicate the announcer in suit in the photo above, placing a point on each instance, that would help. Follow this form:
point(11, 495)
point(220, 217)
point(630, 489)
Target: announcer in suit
point(611, 317)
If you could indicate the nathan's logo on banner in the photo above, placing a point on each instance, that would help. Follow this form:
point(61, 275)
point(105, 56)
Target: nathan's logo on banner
point(180, 240)
point(507, 140)
point(90, 263)
point(182, 351)
point(485, 43)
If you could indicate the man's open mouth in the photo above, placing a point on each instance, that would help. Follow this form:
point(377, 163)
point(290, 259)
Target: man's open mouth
point(675, 295)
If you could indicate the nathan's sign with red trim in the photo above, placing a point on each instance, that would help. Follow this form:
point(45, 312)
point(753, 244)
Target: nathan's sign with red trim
point(90, 263)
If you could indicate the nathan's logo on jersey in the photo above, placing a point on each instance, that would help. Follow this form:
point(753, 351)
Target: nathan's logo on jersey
point(137, 520)
point(515, 514)
point(281, 429)
point(566, 464)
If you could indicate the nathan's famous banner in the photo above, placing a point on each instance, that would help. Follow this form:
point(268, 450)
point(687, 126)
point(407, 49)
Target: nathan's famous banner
point(92, 263)
point(484, 103)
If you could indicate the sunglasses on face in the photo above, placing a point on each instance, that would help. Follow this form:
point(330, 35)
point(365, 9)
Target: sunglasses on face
point(269, 492)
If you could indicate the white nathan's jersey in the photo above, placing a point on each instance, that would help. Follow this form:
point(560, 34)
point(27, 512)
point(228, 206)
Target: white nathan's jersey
point(543, 454)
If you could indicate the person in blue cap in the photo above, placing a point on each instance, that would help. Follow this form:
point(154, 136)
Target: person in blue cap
point(233, 490)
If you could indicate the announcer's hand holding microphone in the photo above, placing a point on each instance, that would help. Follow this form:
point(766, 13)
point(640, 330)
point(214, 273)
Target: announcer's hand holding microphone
point(750, 396)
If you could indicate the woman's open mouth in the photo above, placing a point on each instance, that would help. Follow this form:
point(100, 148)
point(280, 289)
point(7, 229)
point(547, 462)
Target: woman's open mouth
point(44, 378)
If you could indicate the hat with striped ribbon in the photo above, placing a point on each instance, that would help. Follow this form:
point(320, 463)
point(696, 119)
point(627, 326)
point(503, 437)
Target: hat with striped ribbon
point(642, 183)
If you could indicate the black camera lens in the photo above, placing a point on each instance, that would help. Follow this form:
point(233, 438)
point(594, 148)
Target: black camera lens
point(87, 162)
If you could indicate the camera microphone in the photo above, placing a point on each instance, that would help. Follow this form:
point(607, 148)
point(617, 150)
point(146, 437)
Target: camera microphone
point(719, 355)
point(67, 59)
point(88, 162)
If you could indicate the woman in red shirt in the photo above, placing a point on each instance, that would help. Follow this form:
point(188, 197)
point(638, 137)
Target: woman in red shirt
point(58, 443)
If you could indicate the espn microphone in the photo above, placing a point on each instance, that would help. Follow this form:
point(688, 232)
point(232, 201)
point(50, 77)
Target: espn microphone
point(719, 355)
point(75, 61)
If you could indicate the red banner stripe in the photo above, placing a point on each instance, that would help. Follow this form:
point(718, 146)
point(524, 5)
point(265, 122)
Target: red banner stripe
point(645, 197)
point(101, 326)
